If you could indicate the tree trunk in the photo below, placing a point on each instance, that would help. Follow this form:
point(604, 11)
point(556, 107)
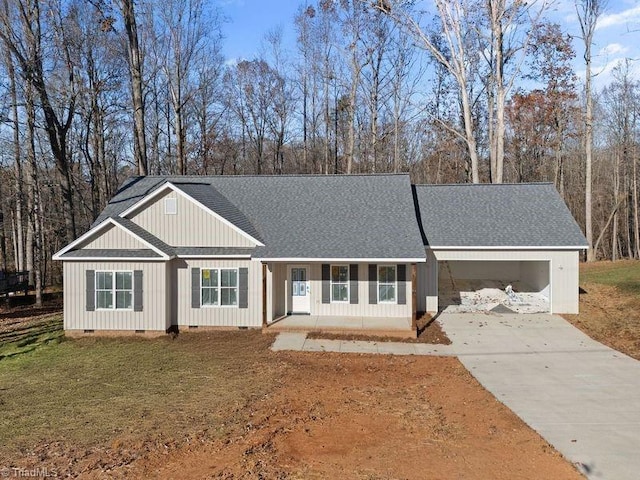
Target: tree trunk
point(616, 194)
point(34, 234)
point(470, 133)
point(591, 254)
point(135, 70)
point(588, 12)
point(636, 213)
point(17, 160)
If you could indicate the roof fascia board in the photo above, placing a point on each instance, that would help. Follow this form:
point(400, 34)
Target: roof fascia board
point(564, 247)
point(112, 259)
point(171, 186)
point(215, 256)
point(97, 229)
point(341, 260)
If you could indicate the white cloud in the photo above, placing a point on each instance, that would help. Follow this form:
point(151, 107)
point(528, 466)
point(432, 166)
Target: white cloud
point(603, 73)
point(625, 17)
point(232, 62)
point(613, 49)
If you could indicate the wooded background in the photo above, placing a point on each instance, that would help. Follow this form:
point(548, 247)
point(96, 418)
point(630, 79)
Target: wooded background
point(94, 91)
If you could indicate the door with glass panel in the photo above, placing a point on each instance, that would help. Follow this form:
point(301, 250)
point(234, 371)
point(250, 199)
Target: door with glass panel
point(300, 290)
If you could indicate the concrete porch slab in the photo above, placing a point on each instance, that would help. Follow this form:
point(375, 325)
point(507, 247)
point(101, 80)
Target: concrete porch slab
point(381, 326)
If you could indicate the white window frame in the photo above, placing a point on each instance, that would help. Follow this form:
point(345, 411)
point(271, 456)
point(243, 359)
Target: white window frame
point(220, 287)
point(332, 283)
point(113, 290)
point(395, 284)
point(173, 202)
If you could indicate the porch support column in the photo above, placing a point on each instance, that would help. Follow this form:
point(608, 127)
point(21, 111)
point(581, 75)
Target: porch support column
point(264, 295)
point(414, 297)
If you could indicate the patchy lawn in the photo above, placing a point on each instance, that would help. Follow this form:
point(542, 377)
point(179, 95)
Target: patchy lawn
point(221, 405)
point(610, 304)
point(97, 403)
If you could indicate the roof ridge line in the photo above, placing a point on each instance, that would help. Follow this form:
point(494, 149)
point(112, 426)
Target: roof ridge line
point(511, 184)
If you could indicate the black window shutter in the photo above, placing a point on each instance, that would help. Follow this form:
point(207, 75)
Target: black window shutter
point(91, 290)
point(195, 287)
point(243, 288)
point(373, 284)
point(326, 283)
point(402, 284)
point(137, 290)
point(353, 283)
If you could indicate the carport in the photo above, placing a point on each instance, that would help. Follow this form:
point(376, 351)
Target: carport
point(473, 285)
point(481, 238)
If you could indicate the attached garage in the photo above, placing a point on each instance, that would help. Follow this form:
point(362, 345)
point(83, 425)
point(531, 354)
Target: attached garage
point(471, 285)
point(482, 239)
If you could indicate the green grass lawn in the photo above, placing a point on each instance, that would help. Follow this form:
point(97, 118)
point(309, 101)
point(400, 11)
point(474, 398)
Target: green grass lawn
point(26, 336)
point(625, 275)
point(91, 391)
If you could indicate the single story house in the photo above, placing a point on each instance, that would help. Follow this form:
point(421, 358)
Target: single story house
point(247, 251)
point(244, 251)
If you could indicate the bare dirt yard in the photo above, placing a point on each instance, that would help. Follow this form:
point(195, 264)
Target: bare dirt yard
point(222, 405)
point(610, 304)
point(365, 417)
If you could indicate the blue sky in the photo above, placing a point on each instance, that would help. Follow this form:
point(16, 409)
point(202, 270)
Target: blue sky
point(250, 20)
point(617, 36)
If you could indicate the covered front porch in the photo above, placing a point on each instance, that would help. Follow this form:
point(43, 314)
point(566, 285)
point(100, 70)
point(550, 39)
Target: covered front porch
point(399, 327)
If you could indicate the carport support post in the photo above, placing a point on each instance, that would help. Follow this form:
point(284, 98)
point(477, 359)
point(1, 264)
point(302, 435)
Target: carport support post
point(264, 295)
point(414, 297)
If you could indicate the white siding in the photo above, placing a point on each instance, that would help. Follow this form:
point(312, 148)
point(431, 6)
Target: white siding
point(270, 295)
point(563, 266)
point(282, 302)
point(536, 275)
point(505, 270)
point(114, 238)
point(153, 317)
point(192, 226)
point(218, 316)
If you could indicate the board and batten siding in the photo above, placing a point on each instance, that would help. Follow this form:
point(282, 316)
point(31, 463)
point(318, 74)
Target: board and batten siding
point(282, 294)
point(191, 226)
point(153, 317)
point(223, 316)
point(114, 238)
point(563, 272)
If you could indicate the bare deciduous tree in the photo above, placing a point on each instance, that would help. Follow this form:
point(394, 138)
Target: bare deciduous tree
point(588, 13)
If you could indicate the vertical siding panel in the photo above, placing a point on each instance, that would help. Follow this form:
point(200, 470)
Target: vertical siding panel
point(191, 227)
point(153, 316)
point(115, 238)
point(346, 309)
point(220, 316)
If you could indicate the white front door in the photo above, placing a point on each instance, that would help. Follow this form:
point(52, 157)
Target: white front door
point(300, 290)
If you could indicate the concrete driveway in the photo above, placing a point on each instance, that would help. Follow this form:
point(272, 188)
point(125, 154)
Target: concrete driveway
point(581, 396)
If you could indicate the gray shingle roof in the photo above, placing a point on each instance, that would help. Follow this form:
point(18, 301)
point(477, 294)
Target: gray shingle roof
point(104, 253)
point(307, 216)
point(145, 235)
point(528, 215)
point(214, 200)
